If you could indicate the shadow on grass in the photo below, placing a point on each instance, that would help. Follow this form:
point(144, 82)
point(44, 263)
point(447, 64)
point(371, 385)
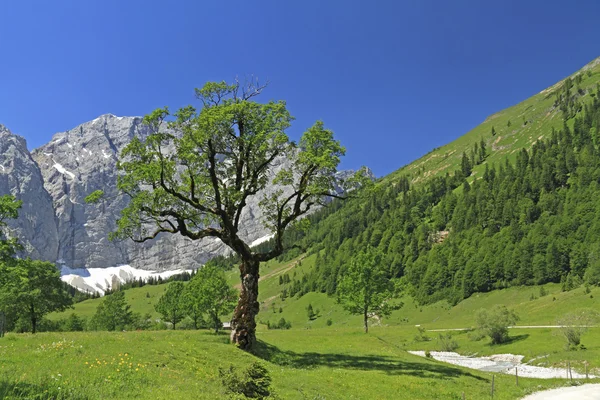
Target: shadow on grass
point(24, 390)
point(387, 364)
point(511, 339)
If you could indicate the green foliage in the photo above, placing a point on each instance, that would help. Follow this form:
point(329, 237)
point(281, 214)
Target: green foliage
point(447, 342)
point(252, 383)
point(366, 288)
point(94, 197)
point(208, 292)
point(310, 312)
point(592, 274)
point(281, 324)
point(421, 335)
point(30, 289)
point(495, 322)
point(573, 325)
point(112, 314)
point(171, 305)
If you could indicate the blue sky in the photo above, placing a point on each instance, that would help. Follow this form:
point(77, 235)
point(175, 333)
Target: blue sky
point(393, 79)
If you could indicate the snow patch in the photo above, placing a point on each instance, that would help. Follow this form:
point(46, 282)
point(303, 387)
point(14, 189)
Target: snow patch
point(63, 170)
point(2, 166)
point(261, 240)
point(104, 154)
point(48, 154)
point(98, 280)
point(70, 145)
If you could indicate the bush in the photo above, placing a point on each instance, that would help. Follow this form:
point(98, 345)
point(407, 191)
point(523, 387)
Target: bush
point(73, 323)
point(253, 383)
point(574, 325)
point(447, 342)
point(329, 322)
point(421, 336)
point(282, 324)
point(495, 322)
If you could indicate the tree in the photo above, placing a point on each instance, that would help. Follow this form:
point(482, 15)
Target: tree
point(35, 289)
point(28, 288)
point(574, 325)
point(310, 312)
point(365, 288)
point(209, 291)
point(113, 313)
point(495, 322)
point(466, 166)
point(197, 182)
point(171, 305)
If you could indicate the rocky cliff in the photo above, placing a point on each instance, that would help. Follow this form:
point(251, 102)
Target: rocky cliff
point(59, 226)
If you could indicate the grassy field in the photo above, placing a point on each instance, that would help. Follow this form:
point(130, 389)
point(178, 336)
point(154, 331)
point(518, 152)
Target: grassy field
point(331, 363)
point(327, 357)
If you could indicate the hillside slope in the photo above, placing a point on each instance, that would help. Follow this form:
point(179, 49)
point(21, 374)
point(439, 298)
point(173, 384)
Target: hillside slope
point(512, 204)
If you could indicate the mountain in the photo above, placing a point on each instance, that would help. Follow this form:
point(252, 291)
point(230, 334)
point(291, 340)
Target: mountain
point(58, 225)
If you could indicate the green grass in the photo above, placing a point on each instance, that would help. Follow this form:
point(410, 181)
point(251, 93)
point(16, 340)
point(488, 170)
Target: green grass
point(141, 300)
point(332, 363)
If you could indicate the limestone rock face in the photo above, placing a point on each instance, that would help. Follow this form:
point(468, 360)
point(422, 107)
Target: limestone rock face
point(60, 227)
point(20, 176)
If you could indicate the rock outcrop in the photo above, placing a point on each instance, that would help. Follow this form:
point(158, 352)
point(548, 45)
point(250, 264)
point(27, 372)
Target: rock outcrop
point(20, 176)
point(57, 225)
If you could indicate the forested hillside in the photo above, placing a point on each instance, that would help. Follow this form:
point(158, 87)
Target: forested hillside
point(524, 214)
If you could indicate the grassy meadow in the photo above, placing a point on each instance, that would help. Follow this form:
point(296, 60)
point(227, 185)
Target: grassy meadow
point(332, 363)
point(328, 357)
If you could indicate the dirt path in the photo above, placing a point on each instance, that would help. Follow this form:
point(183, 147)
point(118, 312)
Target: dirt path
point(583, 392)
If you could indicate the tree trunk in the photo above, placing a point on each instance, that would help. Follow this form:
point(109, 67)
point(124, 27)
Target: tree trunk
point(33, 324)
point(217, 322)
point(366, 319)
point(243, 324)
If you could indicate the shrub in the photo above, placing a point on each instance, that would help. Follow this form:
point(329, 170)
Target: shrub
point(282, 324)
point(421, 336)
point(447, 342)
point(574, 325)
point(253, 383)
point(329, 322)
point(495, 322)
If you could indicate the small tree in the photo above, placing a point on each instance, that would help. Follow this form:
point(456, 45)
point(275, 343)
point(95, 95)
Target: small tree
point(33, 290)
point(209, 291)
point(495, 322)
point(310, 312)
point(113, 313)
point(365, 288)
point(171, 304)
point(574, 325)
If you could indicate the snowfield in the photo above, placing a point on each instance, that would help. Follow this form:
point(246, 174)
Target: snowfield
point(98, 280)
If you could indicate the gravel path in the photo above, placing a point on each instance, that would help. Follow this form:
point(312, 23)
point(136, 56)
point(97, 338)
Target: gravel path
point(583, 392)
